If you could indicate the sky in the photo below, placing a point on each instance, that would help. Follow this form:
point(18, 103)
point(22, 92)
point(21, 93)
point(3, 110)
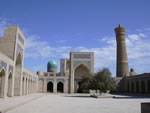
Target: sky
point(53, 28)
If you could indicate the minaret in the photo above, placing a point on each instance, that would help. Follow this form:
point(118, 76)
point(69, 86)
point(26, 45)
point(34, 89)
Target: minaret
point(122, 58)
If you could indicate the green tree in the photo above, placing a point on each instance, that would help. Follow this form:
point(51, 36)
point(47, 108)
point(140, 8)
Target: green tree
point(104, 81)
point(84, 84)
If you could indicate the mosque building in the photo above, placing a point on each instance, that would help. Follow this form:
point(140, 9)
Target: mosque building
point(71, 73)
point(15, 80)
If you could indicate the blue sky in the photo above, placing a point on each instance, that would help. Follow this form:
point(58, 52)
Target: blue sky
point(55, 27)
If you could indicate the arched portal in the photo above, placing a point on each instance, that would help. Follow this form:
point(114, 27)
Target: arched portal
point(80, 72)
point(128, 87)
point(23, 86)
point(60, 87)
point(18, 67)
point(143, 86)
point(9, 91)
point(50, 87)
point(132, 87)
point(2, 83)
point(148, 85)
point(137, 86)
point(26, 86)
point(29, 86)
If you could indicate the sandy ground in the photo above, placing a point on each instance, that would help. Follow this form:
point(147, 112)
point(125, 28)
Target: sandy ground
point(12, 102)
point(50, 103)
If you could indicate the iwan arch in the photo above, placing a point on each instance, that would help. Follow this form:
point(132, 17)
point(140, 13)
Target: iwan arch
point(72, 71)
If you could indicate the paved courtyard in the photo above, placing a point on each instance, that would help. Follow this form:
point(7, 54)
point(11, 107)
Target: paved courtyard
point(61, 103)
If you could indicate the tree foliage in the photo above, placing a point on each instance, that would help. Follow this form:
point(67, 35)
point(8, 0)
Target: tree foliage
point(84, 85)
point(102, 81)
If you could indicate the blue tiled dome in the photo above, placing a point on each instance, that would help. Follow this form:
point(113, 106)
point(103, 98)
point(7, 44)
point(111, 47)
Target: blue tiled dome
point(52, 66)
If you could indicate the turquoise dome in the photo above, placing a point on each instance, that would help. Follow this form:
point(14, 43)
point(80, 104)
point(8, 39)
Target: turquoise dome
point(52, 66)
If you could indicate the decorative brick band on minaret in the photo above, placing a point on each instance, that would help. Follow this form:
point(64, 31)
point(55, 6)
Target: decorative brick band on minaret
point(122, 58)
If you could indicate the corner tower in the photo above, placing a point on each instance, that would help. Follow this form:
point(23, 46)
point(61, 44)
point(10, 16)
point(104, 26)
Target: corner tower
point(122, 58)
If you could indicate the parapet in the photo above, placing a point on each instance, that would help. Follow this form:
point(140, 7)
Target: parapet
point(119, 29)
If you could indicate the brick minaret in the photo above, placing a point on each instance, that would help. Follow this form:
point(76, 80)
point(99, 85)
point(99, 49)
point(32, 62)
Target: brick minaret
point(122, 58)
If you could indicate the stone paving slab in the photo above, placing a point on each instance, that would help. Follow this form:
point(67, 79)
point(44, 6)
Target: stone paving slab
point(51, 103)
point(9, 103)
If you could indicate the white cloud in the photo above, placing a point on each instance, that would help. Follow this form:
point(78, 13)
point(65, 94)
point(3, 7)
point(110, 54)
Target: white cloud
point(35, 48)
point(3, 24)
point(138, 47)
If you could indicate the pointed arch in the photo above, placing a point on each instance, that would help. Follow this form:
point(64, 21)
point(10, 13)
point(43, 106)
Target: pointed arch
point(23, 85)
point(50, 87)
point(81, 71)
point(60, 87)
point(143, 86)
point(2, 82)
point(26, 86)
point(19, 59)
point(9, 91)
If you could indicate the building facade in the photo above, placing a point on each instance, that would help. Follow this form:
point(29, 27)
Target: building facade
point(15, 80)
point(139, 84)
point(72, 71)
point(129, 82)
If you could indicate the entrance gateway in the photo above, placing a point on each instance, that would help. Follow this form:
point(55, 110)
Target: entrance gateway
point(72, 71)
point(50, 87)
point(60, 87)
point(80, 72)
